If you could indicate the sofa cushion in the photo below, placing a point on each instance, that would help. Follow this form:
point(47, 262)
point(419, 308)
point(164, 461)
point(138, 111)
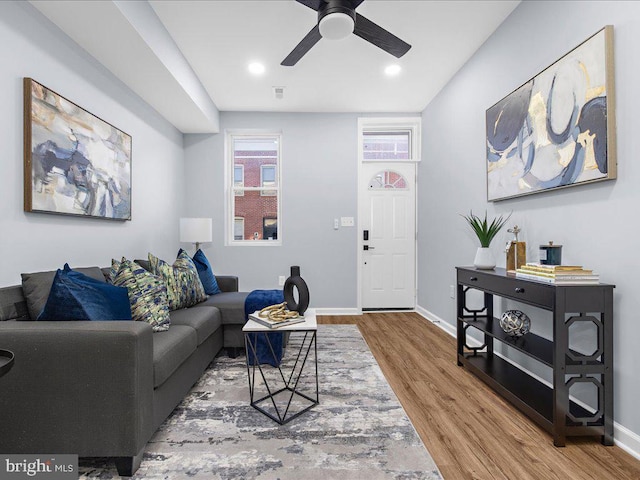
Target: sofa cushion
point(184, 288)
point(12, 304)
point(170, 350)
point(205, 272)
point(75, 296)
point(36, 287)
point(231, 306)
point(147, 295)
point(204, 320)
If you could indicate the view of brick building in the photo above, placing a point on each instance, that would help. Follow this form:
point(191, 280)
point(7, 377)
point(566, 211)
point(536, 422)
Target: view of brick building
point(255, 205)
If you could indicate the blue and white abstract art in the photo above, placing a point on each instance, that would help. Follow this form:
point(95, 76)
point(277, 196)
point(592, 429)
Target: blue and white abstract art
point(75, 163)
point(558, 129)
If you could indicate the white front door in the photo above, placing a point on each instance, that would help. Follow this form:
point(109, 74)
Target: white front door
point(387, 220)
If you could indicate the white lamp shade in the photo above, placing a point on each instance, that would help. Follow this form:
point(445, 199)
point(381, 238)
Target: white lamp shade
point(194, 230)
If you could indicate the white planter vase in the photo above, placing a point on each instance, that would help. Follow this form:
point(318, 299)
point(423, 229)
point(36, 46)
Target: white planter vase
point(484, 259)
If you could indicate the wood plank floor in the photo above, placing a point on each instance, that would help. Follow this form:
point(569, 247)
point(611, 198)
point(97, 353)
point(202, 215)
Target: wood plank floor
point(471, 432)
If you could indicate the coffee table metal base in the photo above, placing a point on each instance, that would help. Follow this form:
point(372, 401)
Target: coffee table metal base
point(290, 379)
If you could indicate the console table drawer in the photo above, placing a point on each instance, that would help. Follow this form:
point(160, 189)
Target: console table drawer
point(525, 291)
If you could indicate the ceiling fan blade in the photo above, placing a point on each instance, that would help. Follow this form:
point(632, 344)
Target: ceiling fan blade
point(377, 35)
point(303, 47)
point(313, 4)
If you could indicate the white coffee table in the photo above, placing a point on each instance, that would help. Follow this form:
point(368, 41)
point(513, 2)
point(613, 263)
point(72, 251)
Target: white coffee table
point(285, 382)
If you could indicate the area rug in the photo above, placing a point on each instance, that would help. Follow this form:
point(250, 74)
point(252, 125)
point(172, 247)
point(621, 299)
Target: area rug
point(358, 431)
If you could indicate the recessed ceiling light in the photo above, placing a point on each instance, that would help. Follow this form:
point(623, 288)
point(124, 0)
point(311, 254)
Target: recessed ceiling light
point(392, 70)
point(256, 68)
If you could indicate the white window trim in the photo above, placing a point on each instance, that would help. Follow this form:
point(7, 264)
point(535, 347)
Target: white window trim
point(413, 125)
point(229, 197)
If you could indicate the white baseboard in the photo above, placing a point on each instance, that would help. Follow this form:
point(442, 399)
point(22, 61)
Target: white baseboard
point(623, 437)
point(626, 440)
point(338, 311)
point(433, 318)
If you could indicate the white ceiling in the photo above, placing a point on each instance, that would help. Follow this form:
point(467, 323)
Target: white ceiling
point(220, 38)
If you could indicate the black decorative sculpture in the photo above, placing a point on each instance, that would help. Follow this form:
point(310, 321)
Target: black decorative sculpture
point(295, 281)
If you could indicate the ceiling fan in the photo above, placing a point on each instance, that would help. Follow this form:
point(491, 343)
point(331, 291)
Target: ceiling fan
point(338, 19)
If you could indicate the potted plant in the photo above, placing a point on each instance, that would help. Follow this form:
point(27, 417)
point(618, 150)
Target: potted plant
point(485, 232)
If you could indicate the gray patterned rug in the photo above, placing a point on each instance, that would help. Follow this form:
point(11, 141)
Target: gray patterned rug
point(358, 431)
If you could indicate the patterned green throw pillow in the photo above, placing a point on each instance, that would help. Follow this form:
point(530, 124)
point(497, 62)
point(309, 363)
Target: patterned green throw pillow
point(147, 295)
point(184, 287)
point(113, 270)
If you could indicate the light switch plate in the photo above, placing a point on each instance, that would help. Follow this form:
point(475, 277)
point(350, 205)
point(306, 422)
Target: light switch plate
point(347, 221)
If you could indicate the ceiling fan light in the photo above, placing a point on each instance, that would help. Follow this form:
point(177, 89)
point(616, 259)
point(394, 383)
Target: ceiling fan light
point(336, 26)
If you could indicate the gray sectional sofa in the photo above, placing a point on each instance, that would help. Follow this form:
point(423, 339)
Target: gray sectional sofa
point(102, 388)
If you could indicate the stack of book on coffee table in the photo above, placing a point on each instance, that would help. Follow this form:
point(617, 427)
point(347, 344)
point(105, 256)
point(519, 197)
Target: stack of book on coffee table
point(558, 274)
point(268, 322)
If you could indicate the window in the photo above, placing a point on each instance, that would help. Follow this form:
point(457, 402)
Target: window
point(253, 188)
point(238, 228)
point(270, 228)
point(389, 139)
point(238, 179)
point(268, 179)
point(386, 145)
point(387, 180)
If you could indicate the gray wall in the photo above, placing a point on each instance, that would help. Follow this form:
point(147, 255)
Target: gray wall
point(319, 158)
point(31, 46)
point(597, 224)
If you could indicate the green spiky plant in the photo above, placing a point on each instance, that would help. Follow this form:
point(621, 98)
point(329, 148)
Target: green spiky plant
point(483, 229)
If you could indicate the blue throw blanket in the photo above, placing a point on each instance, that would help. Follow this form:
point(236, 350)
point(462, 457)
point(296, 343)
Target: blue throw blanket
point(257, 300)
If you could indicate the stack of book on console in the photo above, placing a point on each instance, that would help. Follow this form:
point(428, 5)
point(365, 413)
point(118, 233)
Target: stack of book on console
point(267, 322)
point(558, 274)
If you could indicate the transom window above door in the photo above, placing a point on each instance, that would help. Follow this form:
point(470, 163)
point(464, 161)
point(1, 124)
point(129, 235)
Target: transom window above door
point(386, 145)
point(389, 139)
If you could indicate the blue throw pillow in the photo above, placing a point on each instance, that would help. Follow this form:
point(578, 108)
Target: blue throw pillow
point(205, 272)
point(75, 296)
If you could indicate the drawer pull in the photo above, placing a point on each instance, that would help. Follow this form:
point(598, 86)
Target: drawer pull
point(519, 290)
point(473, 279)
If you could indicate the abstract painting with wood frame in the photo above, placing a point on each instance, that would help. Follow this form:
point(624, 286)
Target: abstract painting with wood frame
point(558, 129)
point(74, 162)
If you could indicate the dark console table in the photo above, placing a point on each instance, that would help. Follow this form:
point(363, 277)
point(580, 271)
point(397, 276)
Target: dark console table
point(6, 361)
point(550, 407)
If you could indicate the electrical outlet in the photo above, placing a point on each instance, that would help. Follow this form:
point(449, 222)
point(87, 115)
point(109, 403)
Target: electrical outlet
point(452, 291)
point(281, 280)
point(336, 224)
point(347, 221)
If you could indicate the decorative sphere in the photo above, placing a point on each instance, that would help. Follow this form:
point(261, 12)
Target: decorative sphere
point(515, 323)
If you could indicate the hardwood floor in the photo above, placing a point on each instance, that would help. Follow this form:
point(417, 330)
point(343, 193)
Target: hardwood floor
point(471, 432)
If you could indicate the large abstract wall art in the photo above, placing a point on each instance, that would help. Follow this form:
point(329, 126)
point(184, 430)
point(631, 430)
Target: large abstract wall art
point(558, 129)
point(74, 162)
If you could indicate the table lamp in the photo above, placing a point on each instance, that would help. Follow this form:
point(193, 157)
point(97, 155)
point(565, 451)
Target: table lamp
point(195, 230)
